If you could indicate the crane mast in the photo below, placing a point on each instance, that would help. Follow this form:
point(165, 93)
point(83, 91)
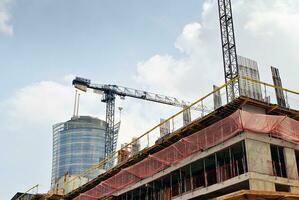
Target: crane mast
point(111, 134)
point(109, 95)
point(228, 49)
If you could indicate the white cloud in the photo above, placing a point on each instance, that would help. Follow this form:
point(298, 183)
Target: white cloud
point(189, 40)
point(162, 71)
point(26, 120)
point(189, 75)
point(40, 102)
point(68, 78)
point(266, 31)
point(279, 16)
point(27, 117)
point(44, 103)
point(5, 17)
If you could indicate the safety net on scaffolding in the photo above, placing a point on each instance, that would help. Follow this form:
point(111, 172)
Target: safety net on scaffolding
point(281, 127)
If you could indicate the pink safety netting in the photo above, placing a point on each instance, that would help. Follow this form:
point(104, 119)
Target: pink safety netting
point(278, 126)
point(85, 196)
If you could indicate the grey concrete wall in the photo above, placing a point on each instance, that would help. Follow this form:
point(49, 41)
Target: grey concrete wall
point(253, 109)
point(290, 160)
point(263, 185)
point(294, 189)
point(259, 162)
point(258, 157)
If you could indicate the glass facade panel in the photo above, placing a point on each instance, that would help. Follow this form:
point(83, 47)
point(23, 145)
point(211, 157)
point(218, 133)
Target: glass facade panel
point(77, 144)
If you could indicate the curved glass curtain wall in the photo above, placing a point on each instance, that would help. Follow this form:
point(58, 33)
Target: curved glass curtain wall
point(77, 144)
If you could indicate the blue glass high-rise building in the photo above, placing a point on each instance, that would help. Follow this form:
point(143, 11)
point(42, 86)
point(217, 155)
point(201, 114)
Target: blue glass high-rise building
point(77, 144)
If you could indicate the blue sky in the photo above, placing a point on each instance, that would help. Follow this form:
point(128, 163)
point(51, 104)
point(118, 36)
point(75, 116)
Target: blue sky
point(101, 40)
point(94, 38)
point(165, 46)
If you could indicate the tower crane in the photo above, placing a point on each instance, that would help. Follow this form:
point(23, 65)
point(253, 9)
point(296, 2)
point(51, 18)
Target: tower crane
point(230, 73)
point(110, 92)
point(228, 49)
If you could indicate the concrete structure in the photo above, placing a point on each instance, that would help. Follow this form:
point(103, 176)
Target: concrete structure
point(246, 161)
point(280, 98)
point(217, 98)
point(257, 171)
point(165, 128)
point(249, 68)
point(77, 144)
point(135, 147)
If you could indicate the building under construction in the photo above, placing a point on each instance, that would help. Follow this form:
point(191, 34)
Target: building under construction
point(247, 148)
point(245, 145)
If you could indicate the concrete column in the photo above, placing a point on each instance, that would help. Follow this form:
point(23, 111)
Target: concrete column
point(291, 164)
point(259, 161)
point(258, 157)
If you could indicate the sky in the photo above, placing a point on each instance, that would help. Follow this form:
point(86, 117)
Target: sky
point(170, 47)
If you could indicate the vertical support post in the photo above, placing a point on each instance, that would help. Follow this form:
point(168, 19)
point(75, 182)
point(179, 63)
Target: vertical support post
point(78, 104)
point(139, 192)
point(205, 172)
point(75, 104)
point(162, 189)
point(266, 98)
point(181, 182)
point(230, 163)
point(191, 177)
point(278, 90)
point(154, 191)
point(147, 193)
point(170, 185)
point(202, 109)
point(237, 165)
point(217, 169)
point(287, 100)
point(217, 97)
point(244, 161)
point(147, 136)
point(172, 124)
point(279, 162)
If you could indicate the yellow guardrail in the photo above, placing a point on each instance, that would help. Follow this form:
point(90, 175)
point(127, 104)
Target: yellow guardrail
point(269, 85)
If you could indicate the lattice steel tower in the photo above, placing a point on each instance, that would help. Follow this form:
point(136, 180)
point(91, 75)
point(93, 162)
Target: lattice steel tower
point(111, 135)
point(228, 49)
